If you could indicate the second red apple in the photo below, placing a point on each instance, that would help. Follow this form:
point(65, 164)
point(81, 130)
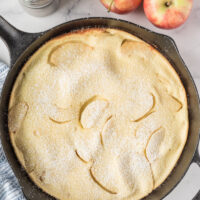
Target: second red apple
point(167, 14)
point(121, 6)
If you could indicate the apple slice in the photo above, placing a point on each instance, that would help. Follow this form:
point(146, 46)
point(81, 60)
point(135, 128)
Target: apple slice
point(82, 157)
point(140, 108)
point(16, 116)
point(136, 172)
point(67, 53)
point(136, 49)
point(174, 104)
point(91, 111)
point(154, 143)
point(86, 143)
point(60, 115)
point(105, 172)
point(108, 134)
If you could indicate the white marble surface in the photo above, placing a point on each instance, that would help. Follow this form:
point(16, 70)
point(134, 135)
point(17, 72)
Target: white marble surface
point(187, 38)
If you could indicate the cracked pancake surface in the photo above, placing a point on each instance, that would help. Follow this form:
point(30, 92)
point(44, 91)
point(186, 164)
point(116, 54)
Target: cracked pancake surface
point(98, 114)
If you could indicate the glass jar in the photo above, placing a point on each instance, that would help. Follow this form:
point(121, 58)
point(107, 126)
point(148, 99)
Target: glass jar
point(40, 8)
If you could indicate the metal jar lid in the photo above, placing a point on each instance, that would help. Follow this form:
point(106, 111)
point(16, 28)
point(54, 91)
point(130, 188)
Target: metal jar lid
point(39, 8)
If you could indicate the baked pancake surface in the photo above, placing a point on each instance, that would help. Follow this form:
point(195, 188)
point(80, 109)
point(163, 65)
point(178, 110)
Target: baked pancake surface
point(98, 114)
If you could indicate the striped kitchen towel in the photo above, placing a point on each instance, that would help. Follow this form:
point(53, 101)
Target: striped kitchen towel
point(9, 186)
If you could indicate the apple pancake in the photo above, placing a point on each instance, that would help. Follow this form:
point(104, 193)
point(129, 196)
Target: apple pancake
point(98, 114)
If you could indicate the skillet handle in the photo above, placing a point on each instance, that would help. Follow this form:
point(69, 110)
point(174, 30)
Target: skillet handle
point(196, 160)
point(16, 41)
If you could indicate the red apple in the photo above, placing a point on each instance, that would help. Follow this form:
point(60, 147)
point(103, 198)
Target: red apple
point(167, 14)
point(121, 6)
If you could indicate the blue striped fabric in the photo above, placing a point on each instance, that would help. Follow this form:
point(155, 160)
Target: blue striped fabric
point(9, 186)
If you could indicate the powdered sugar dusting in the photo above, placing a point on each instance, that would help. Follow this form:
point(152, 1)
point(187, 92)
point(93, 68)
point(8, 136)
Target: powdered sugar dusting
point(92, 127)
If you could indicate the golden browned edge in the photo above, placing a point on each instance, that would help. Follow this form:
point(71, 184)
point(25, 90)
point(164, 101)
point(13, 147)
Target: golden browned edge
point(82, 31)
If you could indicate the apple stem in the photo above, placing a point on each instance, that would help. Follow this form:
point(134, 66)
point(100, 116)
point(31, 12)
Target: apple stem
point(168, 3)
point(110, 6)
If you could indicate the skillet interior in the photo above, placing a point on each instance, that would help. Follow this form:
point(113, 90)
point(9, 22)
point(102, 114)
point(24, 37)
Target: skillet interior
point(164, 44)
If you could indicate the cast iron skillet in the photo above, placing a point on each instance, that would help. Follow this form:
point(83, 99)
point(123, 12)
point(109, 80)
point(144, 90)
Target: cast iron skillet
point(22, 45)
